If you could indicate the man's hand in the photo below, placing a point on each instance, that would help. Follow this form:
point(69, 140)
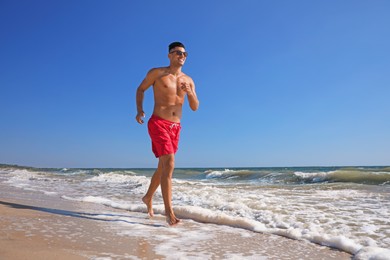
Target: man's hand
point(186, 87)
point(189, 88)
point(139, 117)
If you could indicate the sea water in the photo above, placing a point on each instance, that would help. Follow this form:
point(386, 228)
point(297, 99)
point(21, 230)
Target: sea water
point(347, 208)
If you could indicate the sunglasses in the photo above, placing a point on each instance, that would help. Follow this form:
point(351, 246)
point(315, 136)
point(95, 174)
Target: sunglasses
point(180, 53)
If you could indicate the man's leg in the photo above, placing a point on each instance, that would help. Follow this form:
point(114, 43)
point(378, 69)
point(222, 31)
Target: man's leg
point(154, 183)
point(168, 164)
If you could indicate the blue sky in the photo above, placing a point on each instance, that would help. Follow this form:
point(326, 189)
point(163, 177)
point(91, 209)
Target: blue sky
point(280, 83)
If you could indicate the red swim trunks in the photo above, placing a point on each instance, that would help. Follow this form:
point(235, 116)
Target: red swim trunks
point(164, 134)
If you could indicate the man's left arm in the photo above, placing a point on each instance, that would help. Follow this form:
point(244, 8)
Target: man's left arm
point(191, 95)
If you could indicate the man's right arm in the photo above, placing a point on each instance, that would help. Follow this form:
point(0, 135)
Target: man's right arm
point(145, 84)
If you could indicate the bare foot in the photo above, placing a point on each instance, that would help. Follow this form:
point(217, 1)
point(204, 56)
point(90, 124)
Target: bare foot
point(148, 203)
point(172, 219)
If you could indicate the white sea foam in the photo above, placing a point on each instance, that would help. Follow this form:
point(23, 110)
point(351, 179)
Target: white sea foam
point(118, 178)
point(227, 173)
point(208, 216)
point(314, 176)
point(372, 253)
point(23, 179)
point(50, 193)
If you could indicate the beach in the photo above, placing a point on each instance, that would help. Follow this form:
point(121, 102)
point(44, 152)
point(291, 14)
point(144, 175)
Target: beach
point(34, 225)
point(239, 213)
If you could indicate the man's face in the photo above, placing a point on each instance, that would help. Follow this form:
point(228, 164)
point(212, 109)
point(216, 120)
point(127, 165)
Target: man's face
point(178, 55)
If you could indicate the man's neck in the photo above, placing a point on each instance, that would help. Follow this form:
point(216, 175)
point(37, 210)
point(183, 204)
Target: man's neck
point(174, 70)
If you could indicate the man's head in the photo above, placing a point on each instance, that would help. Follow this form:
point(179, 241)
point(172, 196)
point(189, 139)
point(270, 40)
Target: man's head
point(177, 53)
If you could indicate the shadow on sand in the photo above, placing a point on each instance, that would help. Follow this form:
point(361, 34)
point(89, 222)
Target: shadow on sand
point(83, 215)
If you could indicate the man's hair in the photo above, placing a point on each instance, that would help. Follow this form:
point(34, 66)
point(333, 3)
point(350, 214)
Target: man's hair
point(174, 45)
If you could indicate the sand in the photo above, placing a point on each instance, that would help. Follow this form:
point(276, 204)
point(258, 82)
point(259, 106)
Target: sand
point(37, 226)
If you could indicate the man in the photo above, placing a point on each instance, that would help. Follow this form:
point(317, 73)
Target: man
point(170, 86)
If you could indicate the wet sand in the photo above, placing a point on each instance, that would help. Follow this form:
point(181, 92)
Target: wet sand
point(36, 226)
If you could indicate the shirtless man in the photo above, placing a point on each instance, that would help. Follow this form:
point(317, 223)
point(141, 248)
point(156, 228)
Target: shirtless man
point(170, 86)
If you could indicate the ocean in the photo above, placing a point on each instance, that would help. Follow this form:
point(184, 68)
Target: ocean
point(347, 208)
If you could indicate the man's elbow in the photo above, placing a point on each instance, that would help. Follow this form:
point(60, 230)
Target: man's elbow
point(140, 90)
point(195, 107)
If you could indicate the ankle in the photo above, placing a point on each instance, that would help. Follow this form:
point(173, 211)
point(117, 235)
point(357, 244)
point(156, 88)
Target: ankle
point(146, 198)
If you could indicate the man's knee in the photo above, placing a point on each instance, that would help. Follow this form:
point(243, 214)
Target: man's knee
point(168, 161)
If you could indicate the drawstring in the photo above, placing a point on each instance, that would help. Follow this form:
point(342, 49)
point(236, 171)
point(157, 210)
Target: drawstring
point(174, 125)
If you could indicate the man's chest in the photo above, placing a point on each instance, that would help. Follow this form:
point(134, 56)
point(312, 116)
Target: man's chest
point(169, 85)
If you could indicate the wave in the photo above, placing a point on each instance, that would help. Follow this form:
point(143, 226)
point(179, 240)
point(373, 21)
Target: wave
point(114, 177)
point(360, 176)
point(228, 174)
point(132, 182)
point(260, 176)
point(375, 176)
point(220, 218)
point(4, 168)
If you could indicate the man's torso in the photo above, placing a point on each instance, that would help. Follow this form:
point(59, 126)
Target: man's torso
point(168, 95)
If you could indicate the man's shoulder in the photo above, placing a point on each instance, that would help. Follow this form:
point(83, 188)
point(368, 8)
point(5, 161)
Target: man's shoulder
point(158, 70)
point(155, 73)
